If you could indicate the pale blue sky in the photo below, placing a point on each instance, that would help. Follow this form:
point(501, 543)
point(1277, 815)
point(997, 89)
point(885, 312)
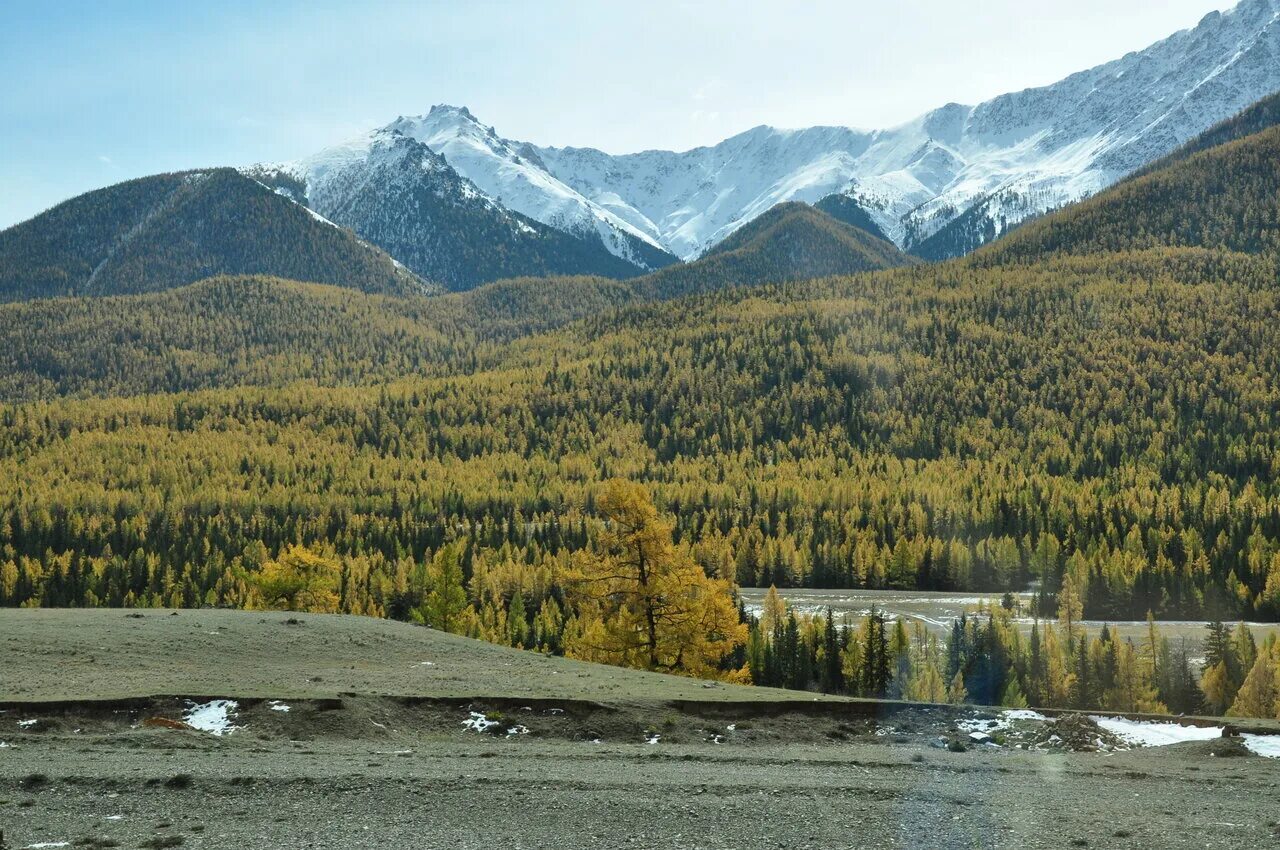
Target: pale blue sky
point(97, 92)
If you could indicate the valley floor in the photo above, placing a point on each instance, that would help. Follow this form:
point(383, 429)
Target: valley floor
point(89, 763)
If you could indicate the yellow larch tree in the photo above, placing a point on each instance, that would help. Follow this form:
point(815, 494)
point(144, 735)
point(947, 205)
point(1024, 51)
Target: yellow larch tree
point(643, 602)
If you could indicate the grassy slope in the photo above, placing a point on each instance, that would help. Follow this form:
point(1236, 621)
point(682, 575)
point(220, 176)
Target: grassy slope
point(68, 654)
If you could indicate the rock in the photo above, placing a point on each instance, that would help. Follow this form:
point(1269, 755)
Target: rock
point(1078, 733)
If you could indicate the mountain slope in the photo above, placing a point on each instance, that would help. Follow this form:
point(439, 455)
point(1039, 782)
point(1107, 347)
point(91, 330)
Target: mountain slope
point(792, 241)
point(254, 330)
point(395, 191)
point(846, 209)
point(1017, 155)
point(1225, 197)
point(165, 231)
point(513, 174)
point(230, 331)
point(1254, 119)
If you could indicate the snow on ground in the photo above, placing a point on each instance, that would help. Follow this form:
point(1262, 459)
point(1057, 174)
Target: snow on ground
point(1000, 722)
point(277, 705)
point(1152, 733)
point(478, 722)
point(27, 724)
point(1267, 746)
point(214, 717)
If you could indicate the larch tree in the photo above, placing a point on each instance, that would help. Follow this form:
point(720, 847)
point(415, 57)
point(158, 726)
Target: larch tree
point(1070, 606)
point(300, 580)
point(1257, 696)
point(773, 610)
point(653, 607)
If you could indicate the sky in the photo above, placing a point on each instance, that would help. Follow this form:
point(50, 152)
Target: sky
point(99, 92)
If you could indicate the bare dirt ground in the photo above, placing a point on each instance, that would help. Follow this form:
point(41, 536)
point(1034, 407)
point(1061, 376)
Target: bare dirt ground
point(374, 752)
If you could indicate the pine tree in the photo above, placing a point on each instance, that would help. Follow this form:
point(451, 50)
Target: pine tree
point(876, 671)
point(446, 597)
point(517, 622)
point(832, 679)
point(900, 657)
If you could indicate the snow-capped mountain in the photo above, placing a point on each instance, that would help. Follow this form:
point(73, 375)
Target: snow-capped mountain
point(512, 174)
point(397, 193)
point(939, 185)
point(1016, 155)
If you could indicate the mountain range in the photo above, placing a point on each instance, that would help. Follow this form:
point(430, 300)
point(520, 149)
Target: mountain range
point(441, 201)
point(938, 186)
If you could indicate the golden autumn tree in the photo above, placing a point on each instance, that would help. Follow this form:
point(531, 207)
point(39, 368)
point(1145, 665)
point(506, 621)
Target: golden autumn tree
point(1259, 694)
point(1070, 606)
point(642, 601)
point(300, 580)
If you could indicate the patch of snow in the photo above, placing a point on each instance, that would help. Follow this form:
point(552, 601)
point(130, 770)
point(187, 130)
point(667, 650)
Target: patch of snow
point(1154, 733)
point(214, 717)
point(277, 705)
point(1267, 746)
point(517, 730)
point(477, 722)
point(651, 737)
point(27, 724)
point(1000, 722)
point(114, 817)
point(47, 844)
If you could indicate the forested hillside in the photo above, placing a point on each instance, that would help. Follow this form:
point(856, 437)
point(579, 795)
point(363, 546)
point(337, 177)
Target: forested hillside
point(845, 209)
point(792, 241)
point(227, 331)
point(162, 232)
point(935, 427)
point(231, 331)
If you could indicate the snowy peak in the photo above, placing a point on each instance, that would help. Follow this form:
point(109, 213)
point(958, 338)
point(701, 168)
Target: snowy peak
point(1016, 155)
point(514, 175)
point(393, 190)
point(940, 184)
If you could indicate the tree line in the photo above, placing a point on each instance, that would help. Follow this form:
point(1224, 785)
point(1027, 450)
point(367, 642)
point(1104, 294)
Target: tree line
point(988, 659)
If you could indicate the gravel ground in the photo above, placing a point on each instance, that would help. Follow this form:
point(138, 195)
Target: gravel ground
point(370, 757)
point(457, 792)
